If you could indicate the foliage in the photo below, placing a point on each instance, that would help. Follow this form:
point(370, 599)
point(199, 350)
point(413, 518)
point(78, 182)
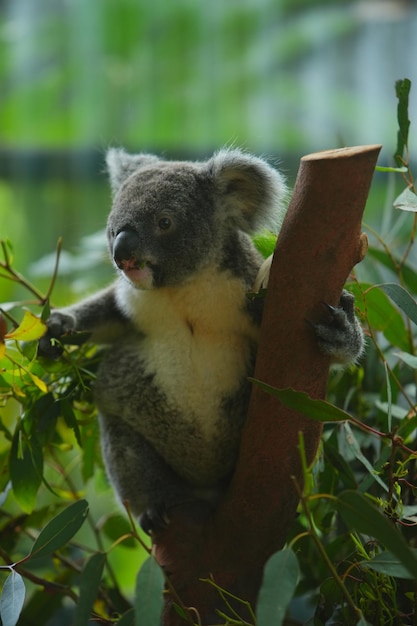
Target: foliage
point(185, 74)
point(351, 556)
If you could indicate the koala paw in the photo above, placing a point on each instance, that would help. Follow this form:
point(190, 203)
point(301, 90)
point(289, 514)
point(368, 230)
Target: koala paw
point(340, 334)
point(155, 517)
point(192, 511)
point(59, 324)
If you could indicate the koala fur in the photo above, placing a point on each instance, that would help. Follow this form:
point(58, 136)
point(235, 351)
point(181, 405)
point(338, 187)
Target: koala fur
point(172, 389)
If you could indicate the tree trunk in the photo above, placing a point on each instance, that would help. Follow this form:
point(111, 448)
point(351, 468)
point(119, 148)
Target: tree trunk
point(318, 246)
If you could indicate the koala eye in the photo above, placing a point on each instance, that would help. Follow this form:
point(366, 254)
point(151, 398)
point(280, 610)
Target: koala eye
point(165, 223)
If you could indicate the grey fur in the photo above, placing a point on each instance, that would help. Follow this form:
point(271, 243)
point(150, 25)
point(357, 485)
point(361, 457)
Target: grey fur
point(172, 388)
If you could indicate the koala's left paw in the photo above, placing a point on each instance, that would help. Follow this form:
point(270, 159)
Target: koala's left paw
point(340, 335)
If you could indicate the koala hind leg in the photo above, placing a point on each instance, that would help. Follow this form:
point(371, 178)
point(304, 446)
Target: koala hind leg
point(340, 335)
point(143, 479)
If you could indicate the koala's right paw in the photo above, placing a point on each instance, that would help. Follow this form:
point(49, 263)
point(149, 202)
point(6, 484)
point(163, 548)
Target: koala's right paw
point(153, 518)
point(340, 334)
point(59, 324)
point(192, 511)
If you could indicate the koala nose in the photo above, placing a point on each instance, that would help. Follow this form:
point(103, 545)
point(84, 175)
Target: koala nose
point(125, 247)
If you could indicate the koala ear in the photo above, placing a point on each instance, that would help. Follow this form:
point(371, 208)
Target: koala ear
point(120, 165)
point(248, 190)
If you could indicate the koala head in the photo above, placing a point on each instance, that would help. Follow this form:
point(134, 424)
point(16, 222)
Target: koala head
point(171, 219)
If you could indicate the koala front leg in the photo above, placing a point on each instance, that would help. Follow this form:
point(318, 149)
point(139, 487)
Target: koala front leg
point(98, 315)
point(340, 335)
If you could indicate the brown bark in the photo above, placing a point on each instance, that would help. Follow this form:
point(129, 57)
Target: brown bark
point(318, 245)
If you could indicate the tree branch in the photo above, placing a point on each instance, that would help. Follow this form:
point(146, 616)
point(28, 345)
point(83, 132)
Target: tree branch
point(318, 245)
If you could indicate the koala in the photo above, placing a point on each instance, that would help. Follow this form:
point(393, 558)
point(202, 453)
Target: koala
point(179, 329)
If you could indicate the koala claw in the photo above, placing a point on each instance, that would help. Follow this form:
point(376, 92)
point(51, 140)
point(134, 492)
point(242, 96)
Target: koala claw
point(340, 335)
point(345, 309)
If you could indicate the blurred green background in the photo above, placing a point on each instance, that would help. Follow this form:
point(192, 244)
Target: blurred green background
point(278, 77)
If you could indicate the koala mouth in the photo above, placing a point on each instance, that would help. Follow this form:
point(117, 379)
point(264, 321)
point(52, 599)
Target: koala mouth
point(140, 275)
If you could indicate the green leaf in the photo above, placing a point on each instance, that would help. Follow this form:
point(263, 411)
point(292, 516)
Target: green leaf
point(265, 243)
point(395, 170)
point(359, 514)
point(392, 263)
point(46, 311)
point(70, 419)
point(280, 580)
point(89, 450)
point(337, 463)
point(319, 410)
point(60, 529)
point(407, 427)
point(26, 469)
point(12, 598)
point(127, 619)
point(148, 594)
point(402, 91)
point(402, 298)
point(406, 201)
point(394, 410)
point(89, 584)
point(381, 314)
point(116, 526)
point(354, 447)
point(331, 597)
point(30, 328)
point(389, 398)
point(409, 359)
point(387, 563)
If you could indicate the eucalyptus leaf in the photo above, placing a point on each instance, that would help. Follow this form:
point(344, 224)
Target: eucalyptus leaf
point(402, 91)
point(12, 598)
point(402, 298)
point(319, 410)
point(26, 468)
point(387, 563)
point(389, 398)
point(409, 512)
point(127, 619)
point(394, 170)
point(391, 262)
point(60, 530)
point(396, 411)
point(409, 359)
point(381, 314)
point(116, 526)
point(337, 462)
point(280, 580)
point(354, 447)
point(361, 515)
point(70, 419)
point(265, 243)
point(89, 584)
point(406, 201)
point(148, 594)
point(31, 328)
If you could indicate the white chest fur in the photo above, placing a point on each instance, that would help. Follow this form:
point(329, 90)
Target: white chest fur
point(197, 340)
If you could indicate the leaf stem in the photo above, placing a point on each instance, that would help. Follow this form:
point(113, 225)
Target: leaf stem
point(355, 610)
point(16, 276)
